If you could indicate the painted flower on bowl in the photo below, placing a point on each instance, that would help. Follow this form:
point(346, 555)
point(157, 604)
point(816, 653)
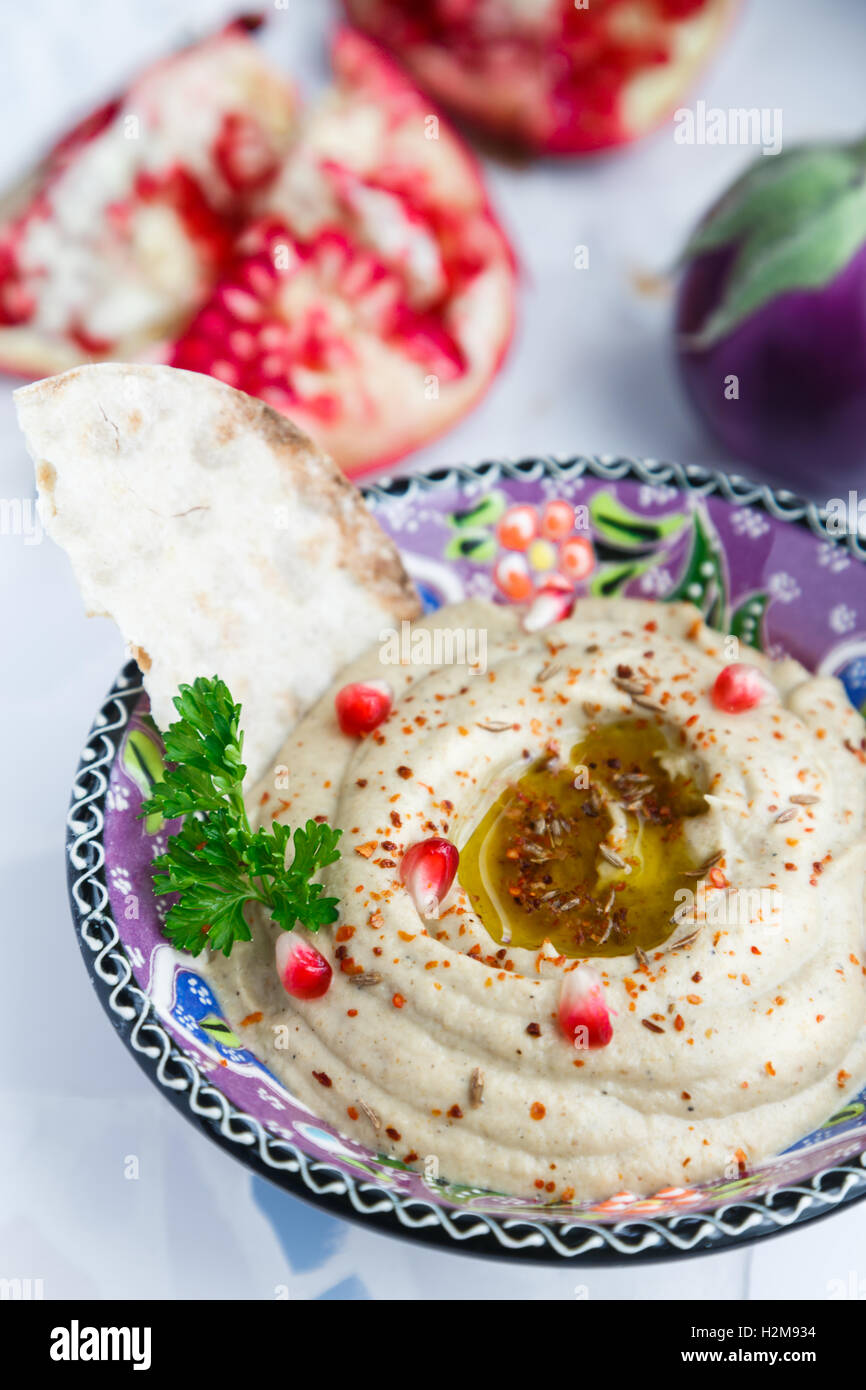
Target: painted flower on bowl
point(527, 545)
point(542, 545)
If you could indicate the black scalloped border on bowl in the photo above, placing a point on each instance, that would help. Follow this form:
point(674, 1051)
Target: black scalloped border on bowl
point(466, 1230)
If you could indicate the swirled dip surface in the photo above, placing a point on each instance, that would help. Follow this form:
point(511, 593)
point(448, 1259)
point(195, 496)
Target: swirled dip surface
point(725, 1050)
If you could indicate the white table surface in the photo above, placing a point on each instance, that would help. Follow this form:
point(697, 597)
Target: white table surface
point(590, 371)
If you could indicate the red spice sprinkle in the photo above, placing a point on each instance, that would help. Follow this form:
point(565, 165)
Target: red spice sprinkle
point(537, 1110)
point(404, 772)
point(455, 1112)
point(351, 1112)
point(323, 1078)
point(398, 1001)
point(252, 1018)
point(534, 1030)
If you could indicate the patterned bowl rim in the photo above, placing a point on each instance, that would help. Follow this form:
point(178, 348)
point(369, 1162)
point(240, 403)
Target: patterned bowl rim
point(469, 1231)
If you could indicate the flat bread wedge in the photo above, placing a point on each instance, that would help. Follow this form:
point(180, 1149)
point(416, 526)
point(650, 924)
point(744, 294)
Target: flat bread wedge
point(215, 534)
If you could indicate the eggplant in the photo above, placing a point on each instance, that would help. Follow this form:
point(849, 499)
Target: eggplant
point(770, 318)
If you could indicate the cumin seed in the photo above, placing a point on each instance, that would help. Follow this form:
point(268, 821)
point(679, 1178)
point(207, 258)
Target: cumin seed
point(684, 941)
point(476, 1088)
point(706, 866)
point(628, 687)
point(371, 1115)
point(366, 978)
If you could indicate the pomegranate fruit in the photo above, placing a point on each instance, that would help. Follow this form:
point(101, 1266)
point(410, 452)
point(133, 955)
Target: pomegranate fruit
point(373, 299)
point(118, 236)
point(551, 75)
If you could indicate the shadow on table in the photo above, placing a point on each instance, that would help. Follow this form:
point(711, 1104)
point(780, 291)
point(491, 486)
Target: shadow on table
point(310, 1239)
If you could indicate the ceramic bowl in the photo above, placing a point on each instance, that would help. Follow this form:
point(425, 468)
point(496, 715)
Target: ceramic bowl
point(760, 564)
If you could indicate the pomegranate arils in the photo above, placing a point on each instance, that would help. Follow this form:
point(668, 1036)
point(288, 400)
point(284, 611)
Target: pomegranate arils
point(362, 706)
point(583, 1014)
point(117, 241)
point(378, 270)
point(551, 604)
point(427, 869)
point(577, 67)
point(243, 154)
point(739, 687)
point(304, 973)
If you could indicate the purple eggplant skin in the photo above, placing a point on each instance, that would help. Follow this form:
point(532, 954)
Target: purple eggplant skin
point(800, 363)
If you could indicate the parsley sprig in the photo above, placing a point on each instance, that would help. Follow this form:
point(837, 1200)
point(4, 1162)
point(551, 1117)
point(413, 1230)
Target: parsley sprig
point(215, 861)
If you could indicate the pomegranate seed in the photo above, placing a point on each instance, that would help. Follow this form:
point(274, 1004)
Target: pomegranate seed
point(551, 604)
point(362, 706)
point(242, 153)
point(225, 371)
point(739, 687)
point(583, 1014)
point(304, 973)
point(428, 870)
point(239, 304)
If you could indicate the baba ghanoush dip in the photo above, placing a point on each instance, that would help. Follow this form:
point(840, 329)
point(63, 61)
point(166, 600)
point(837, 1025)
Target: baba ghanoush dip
point(647, 968)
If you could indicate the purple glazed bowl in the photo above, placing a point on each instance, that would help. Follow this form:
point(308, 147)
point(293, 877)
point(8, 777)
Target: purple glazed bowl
point(759, 564)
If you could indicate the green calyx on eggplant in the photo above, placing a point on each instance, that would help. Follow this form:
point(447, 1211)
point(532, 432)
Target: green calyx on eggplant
point(771, 317)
